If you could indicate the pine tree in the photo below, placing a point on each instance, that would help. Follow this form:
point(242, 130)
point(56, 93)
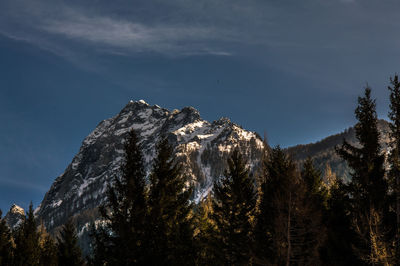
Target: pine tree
point(125, 211)
point(314, 210)
point(234, 205)
point(289, 227)
point(338, 248)
point(368, 188)
point(98, 245)
point(170, 221)
point(314, 184)
point(330, 178)
point(27, 250)
point(263, 252)
point(6, 249)
point(69, 253)
point(205, 231)
point(273, 228)
point(394, 158)
point(48, 248)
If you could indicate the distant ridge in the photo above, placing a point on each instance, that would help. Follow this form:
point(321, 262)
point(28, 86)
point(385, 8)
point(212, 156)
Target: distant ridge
point(323, 151)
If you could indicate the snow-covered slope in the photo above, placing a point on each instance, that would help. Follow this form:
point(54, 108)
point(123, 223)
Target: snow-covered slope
point(201, 146)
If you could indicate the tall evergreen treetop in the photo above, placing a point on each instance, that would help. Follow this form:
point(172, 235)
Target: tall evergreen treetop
point(288, 229)
point(367, 161)
point(27, 251)
point(395, 109)
point(312, 178)
point(394, 158)
point(48, 247)
point(167, 185)
point(69, 253)
point(366, 129)
point(234, 205)
point(133, 176)
point(123, 240)
point(170, 221)
point(368, 187)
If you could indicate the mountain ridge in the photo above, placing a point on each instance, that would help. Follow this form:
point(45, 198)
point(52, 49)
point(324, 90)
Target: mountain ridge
point(323, 151)
point(201, 146)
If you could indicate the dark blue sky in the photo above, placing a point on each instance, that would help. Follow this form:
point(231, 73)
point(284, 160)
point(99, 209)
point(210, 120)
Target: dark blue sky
point(293, 69)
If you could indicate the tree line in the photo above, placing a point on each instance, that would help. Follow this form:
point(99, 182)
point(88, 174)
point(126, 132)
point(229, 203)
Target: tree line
point(30, 244)
point(284, 214)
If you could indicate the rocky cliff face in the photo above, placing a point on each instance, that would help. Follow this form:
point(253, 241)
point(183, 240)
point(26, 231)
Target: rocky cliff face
point(202, 147)
point(14, 216)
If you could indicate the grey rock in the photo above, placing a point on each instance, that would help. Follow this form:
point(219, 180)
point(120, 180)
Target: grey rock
point(202, 147)
point(14, 216)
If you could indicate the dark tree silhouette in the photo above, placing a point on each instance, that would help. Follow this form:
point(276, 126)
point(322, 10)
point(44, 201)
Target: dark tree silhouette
point(69, 253)
point(234, 205)
point(27, 248)
point(123, 239)
point(368, 187)
point(170, 222)
point(6, 249)
point(394, 158)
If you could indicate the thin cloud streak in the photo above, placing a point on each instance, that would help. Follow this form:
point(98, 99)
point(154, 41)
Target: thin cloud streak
point(296, 38)
point(79, 28)
point(135, 37)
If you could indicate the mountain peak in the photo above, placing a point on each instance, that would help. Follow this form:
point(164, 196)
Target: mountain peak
point(14, 216)
point(141, 105)
point(138, 102)
point(135, 104)
point(200, 146)
point(17, 209)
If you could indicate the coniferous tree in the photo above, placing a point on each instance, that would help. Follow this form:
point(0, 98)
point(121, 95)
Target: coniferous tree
point(263, 252)
point(6, 249)
point(69, 252)
point(315, 186)
point(368, 188)
point(394, 159)
point(99, 248)
point(234, 205)
point(205, 231)
point(275, 217)
point(27, 249)
point(170, 221)
point(48, 248)
point(338, 248)
point(330, 178)
point(289, 226)
point(124, 237)
point(315, 206)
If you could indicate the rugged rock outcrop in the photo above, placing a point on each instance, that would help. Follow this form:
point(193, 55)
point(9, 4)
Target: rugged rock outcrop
point(14, 216)
point(202, 147)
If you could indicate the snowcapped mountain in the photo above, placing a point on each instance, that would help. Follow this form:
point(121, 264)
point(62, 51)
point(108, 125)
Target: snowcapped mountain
point(14, 216)
point(202, 147)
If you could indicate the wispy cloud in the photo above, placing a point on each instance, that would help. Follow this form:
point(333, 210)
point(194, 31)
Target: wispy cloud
point(135, 37)
point(101, 32)
point(286, 35)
